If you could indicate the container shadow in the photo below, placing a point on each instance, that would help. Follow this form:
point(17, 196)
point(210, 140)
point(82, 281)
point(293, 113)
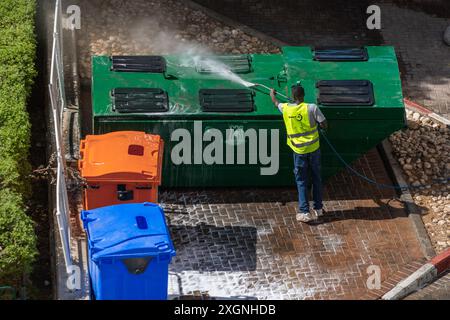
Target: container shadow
point(210, 248)
point(178, 198)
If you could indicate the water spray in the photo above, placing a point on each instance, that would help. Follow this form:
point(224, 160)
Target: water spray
point(223, 70)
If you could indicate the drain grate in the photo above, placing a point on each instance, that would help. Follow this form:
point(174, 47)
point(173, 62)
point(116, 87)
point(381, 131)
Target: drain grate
point(340, 54)
point(226, 100)
point(152, 64)
point(139, 100)
point(345, 92)
point(234, 63)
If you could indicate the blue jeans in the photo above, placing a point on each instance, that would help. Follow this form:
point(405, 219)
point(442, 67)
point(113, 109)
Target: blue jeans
point(303, 164)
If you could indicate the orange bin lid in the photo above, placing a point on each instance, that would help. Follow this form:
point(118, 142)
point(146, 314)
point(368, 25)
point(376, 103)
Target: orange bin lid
point(121, 156)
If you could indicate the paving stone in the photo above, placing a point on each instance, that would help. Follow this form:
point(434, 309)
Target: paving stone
point(417, 38)
point(266, 254)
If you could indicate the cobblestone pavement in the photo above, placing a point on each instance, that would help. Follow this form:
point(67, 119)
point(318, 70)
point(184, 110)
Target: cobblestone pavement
point(415, 32)
point(247, 243)
point(417, 38)
point(307, 22)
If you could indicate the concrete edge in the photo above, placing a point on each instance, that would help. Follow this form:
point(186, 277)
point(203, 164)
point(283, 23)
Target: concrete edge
point(414, 213)
point(416, 280)
point(426, 274)
point(413, 106)
point(234, 24)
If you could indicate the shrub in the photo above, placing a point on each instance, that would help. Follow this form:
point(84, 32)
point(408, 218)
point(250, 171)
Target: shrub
point(17, 71)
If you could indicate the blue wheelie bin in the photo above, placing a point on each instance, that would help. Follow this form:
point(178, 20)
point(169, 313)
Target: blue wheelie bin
point(129, 249)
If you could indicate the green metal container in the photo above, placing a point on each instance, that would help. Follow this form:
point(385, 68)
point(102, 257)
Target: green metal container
point(162, 94)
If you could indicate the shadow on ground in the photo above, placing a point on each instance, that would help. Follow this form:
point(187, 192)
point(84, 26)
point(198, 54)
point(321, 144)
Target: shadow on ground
point(230, 248)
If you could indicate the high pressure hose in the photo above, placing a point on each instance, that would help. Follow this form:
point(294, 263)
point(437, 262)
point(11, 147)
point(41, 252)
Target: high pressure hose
point(381, 185)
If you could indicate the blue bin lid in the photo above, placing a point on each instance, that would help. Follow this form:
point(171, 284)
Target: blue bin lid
point(127, 230)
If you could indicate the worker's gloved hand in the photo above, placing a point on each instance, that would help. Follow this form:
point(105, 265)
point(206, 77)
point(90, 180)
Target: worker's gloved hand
point(323, 127)
point(272, 93)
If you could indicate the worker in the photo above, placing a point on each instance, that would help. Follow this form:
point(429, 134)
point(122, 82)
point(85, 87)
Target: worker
point(301, 120)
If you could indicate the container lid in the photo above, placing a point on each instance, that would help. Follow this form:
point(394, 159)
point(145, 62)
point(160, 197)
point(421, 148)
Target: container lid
point(152, 64)
point(340, 54)
point(121, 156)
point(139, 100)
point(226, 100)
point(127, 230)
point(345, 93)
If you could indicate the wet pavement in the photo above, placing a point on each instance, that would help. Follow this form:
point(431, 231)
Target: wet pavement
point(246, 242)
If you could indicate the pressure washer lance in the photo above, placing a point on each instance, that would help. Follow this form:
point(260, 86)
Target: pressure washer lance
point(249, 84)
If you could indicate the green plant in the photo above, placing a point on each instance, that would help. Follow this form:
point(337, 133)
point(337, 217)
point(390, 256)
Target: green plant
point(17, 71)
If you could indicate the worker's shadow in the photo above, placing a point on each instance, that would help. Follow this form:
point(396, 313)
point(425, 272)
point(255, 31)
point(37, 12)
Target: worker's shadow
point(381, 210)
point(210, 248)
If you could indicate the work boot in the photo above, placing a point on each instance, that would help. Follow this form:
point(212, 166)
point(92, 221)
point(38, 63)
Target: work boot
point(304, 217)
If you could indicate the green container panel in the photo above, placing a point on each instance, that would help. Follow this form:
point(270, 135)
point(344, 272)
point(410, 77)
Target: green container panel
point(353, 129)
point(190, 175)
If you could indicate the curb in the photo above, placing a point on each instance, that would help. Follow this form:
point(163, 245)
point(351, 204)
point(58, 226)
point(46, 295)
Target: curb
point(405, 196)
point(393, 278)
point(421, 109)
point(234, 24)
point(421, 277)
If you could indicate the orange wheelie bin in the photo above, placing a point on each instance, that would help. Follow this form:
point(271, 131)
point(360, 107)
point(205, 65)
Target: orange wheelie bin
point(120, 167)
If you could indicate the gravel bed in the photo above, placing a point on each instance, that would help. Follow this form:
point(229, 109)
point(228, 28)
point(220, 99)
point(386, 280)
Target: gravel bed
point(423, 150)
point(119, 27)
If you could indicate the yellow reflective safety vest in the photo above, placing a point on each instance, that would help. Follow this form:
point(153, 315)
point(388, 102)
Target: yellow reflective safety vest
point(301, 137)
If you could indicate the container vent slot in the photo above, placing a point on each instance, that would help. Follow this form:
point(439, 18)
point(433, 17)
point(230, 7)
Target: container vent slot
point(235, 63)
point(135, 150)
point(340, 54)
point(123, 194)
point(137, 265)
point(226, 100)
point(141, 222)
point(345, 93)
point(139, 100)
point(151, 64)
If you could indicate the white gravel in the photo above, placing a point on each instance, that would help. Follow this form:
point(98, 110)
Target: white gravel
point(423, 150)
